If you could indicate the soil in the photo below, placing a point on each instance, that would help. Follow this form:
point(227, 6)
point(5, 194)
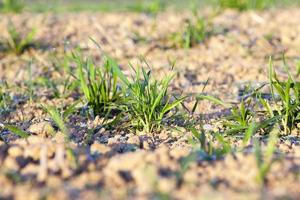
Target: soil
point(117, 164)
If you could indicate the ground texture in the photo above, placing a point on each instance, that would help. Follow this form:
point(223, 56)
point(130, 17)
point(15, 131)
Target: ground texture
point(117, 164)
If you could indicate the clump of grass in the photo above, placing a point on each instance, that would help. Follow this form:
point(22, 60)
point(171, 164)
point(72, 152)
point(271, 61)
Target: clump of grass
point(282, 109)
point(147, 101)
point(245, 4)
point(99, 84)
point(11, 6)
point(17, 42)
point(195, 31)
point(286, 95)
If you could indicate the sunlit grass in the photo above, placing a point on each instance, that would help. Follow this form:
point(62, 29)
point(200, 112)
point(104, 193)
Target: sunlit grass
point(148, 102)
point(99, 84)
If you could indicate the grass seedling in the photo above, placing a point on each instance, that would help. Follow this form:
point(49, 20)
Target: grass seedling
point(59, 117)
point(298, 68)
point(286, 110)
point(195, 32)
point(16, 42)
point(240, 119)
point(242, 5)
point(11, 6)
point(264, 160)
point(208, 148)
point(29, 83)
point(5, 101)
point(149, 7)
point(68, 82)
point(99, 84)
point(147, 101)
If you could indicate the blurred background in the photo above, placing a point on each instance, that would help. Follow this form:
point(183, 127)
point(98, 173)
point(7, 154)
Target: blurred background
point(147, 6)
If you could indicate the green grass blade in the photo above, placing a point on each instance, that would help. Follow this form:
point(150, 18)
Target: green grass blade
point(212, 99)
point(19, 132)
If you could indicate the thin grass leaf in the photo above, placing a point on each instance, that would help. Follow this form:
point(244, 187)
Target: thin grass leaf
point(249, 133)
point(212, 99)
point(70, 110)
point(19, 132)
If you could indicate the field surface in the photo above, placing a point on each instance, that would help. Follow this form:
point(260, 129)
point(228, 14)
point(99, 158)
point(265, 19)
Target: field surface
point(116, 161)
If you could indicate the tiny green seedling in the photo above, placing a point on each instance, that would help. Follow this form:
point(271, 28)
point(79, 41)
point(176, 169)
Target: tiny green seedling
point(264, 160)
point(59, 118)
point(242, 5)
point(64, 86)
point(5, 101)
point(29, 83)
point(195, 32)
point(240, 119)
point(149, 7)
point(208, 148)
point(16, 42)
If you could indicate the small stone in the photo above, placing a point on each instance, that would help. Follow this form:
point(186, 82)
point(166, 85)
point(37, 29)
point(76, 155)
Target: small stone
point(11, 163)
point(146, 145)
point(208, 127)
point(166, 185)
point(179, 152)
point(30, 169)
point(112, 141)
point(15, 151)
point(42, 128)
point(53, 181)
point(99, 148)
point(163, 135)
point(33, 151)
point(43, 169)
point(35, 140)
point(59, 137)
point(104, 139)
point(134, 140)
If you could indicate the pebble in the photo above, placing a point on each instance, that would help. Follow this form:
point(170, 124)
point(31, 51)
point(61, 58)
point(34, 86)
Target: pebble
point(42, 128)
point(99, 148)
point(134, 140)
point(15, 151)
